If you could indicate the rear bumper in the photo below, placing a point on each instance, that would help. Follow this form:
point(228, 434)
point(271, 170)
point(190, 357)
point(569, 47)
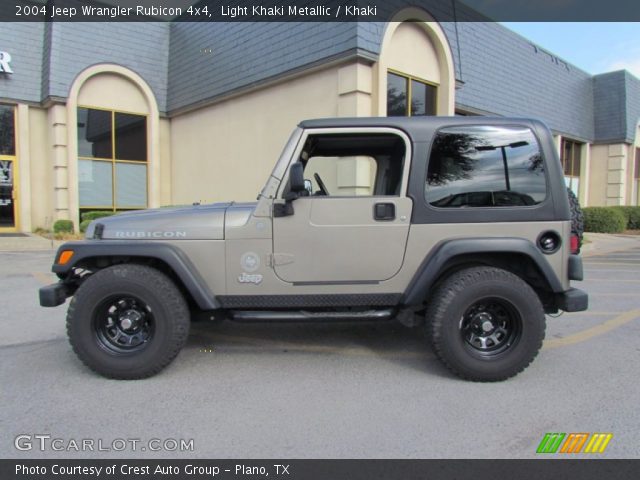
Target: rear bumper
point(573, 300)
point(53, 295)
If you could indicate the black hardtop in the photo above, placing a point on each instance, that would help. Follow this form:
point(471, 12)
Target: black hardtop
point(420, 128)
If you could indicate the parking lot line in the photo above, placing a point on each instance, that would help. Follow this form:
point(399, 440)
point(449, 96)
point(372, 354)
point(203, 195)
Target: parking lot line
point(610, 280)
point(592, 332)
point(626, 264)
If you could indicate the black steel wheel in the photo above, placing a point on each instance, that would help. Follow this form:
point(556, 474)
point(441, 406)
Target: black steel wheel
point(127, 321)
point(490, 327)
point(485, 324)
point(124, 324)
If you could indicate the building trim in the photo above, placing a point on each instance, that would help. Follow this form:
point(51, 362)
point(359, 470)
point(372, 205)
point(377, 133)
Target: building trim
point(434, 32)
point(153, 135)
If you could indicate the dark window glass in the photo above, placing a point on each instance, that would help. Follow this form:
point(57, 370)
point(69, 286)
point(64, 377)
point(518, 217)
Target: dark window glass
point(485, 166)
point(107, 142)
point(94, 133)
point(423, 99)
point(571, 158)
point(396, 96)
point(7, 131)
point(131, 137)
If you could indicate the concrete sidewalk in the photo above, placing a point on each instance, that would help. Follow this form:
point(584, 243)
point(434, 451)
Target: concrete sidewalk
point(601, 243)
point(597, 243)
point(28, 242)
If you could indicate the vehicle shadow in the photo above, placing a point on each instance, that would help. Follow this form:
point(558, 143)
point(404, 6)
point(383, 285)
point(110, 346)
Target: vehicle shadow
point(385, 340)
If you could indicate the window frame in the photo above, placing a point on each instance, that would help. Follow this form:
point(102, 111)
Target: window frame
point(572, 175)
point(486, 210)
point(113, 160)
point(408, 79)
point(404, 185)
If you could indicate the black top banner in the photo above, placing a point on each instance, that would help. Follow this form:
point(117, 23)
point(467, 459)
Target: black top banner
point(316, 10)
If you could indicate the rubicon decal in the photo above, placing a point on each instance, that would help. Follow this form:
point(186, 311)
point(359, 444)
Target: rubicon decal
point(574, 442)
point(152, 234)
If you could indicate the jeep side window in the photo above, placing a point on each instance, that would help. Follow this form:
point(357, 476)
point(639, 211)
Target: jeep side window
point(354, 164)
point(485, 166)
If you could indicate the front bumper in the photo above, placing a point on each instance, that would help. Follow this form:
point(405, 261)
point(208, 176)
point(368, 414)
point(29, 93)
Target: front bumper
point(53, 295)
point(573, 300)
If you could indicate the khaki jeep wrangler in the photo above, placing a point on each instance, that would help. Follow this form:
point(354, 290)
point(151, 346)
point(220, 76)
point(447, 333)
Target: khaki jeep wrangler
point(460, 225)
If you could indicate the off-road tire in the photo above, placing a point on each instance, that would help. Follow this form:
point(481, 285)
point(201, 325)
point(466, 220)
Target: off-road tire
point(453, 303)
point(577, 217)
point(165, 307)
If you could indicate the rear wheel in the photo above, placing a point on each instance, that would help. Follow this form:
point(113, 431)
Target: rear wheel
point(485, 324)
point(127, 321)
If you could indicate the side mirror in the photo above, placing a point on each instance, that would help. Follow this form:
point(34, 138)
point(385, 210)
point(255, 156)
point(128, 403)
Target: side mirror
point(297, 186)
point(296, 178)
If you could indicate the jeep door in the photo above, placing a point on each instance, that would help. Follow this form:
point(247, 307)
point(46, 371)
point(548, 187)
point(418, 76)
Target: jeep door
point(352, 223)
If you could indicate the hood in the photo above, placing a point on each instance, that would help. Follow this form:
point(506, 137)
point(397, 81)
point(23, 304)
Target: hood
point(198, 222)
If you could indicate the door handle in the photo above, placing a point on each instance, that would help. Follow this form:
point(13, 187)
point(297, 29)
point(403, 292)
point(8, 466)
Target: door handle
point(384, 211)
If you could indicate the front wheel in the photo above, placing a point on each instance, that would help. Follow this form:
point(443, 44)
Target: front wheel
point(485, 324)
point(127, 321)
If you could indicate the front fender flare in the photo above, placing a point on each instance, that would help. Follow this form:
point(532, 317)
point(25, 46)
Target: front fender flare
point(175, 258)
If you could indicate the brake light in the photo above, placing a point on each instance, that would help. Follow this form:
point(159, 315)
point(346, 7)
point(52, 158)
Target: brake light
point(574, 243)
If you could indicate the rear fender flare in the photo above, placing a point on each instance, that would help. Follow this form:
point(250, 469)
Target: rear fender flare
point(433, 264)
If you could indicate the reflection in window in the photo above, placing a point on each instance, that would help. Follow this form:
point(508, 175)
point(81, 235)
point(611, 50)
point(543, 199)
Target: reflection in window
point(407, 96)
point(131, 185)
point(131, 137)
point(94, 133)
point(112, 151)
point(485, 166)
point(95, 186)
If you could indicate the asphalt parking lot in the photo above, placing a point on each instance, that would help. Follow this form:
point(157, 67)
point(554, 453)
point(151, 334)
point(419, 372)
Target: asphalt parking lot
point(320, 391)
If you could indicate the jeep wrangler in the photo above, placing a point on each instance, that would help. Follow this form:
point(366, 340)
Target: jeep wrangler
point(460, 225)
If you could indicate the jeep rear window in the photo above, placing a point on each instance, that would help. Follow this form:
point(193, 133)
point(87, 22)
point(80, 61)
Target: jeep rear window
point(485, 166)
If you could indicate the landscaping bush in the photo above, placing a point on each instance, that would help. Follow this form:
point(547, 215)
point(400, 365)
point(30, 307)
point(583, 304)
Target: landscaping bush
point(632, 215)
point(84, 224)
point(94, 214)
point(604, 220)
point(63, 226)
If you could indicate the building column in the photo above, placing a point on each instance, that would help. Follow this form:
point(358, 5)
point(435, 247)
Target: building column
point(557, 140)
point(355, 87)
point(354, 90)
point(585, 166)
point(24, 169)
point(616, 174)
point(58, 125)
